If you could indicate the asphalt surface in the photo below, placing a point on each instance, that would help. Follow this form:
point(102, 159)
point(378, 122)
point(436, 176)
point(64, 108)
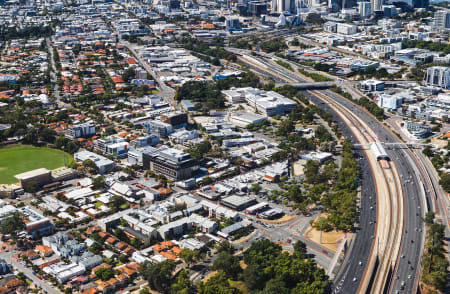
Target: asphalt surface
point(29, 273)
point(350, 274)
point(403, 275)
point(409, 258)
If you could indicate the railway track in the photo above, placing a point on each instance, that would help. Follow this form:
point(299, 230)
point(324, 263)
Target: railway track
point(388, 233)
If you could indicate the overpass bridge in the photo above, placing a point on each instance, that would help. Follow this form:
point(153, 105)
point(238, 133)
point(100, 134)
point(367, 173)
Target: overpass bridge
point(312, 85)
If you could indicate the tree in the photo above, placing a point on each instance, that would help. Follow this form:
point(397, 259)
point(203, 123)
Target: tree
point(119, 233)
point(322, 134)
point(104, 274)
point(429, 218)
point(445, 182)
point(275, 286)
point(285, 128)
point(300, 248)
point(218, 284)
point(10, 225)
point(89, 164)
point(227, 263)
point(200, 149)
point(255, 188)
point(31, 187)
point(189, 256)
point(159, 276)
point(269, 268)
point(72, 147)
point(182, 284)
point(117, 202)
point(136, 243)
point(98, 182)
point(295, 42)
point(312, 172)
point(225, 246)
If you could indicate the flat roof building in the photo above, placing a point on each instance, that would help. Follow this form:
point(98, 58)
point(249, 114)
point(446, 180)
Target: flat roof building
point(41, 176)
point(103, 164)
point(172, 163)
point(238, 202)
point(243, 119)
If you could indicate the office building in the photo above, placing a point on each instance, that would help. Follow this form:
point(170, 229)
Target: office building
point(175, 119)
point(420, 3)
point(280, 6)
point(172, 163)
point(160, 128)
point(268, 103)
point(418, 130)
point(371, 85)
point(376, 5)
point(149, 140)
point(64, 272)
point(337, 5)
point(256, 8)
point(441, 20)
point(238, 202)
point(330, 26)
point(389, 10)
point(389, 102)
point(232, 24)
point(102, 144)
point(346, 29)
point(438, 76)
point(243, 119)
point(365, 9)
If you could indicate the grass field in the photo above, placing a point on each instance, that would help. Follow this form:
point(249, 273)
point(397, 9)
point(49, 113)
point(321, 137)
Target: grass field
point(21, 158)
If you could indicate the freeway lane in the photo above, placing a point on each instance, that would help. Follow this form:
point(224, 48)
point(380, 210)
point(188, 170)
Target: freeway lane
point(350, 274)
point(348, 279)
point(414, 210)
point(406, 267)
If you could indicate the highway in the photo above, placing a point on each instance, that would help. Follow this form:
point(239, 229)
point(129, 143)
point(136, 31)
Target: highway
point(411, 250)
point(350, 274)
point(402, 274)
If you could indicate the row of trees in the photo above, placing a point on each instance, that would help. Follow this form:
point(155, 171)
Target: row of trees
point(340, 203)
point(12, 32)
point(432, 46)
point(368, 104)
point(213, 53)
point(274, 45)
point(315, 76)
point(434, 262)
point(439, 161)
